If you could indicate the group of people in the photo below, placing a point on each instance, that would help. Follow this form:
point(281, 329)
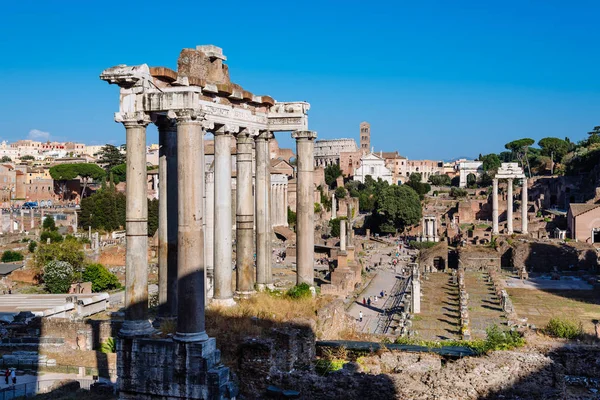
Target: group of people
point(5, 292)
point(374, 299)
point(10, 374)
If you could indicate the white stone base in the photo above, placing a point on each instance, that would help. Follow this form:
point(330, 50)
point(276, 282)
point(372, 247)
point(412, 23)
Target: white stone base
point(244, 295)
point(222, 302)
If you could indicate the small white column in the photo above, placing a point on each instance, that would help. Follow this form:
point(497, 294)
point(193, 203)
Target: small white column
point(495, 229)
point(343, 235)
point(524, 197)
point(333, 207)
point(509, 207)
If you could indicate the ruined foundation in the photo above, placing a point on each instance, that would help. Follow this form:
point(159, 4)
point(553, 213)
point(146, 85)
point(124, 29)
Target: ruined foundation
point(164, 369)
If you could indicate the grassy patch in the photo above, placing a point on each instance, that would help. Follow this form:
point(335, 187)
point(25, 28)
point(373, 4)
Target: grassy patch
point(301, 291)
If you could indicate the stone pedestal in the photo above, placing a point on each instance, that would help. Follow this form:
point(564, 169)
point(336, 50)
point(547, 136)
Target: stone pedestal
point(164, 369)
point(350, 251)
point(342, 259)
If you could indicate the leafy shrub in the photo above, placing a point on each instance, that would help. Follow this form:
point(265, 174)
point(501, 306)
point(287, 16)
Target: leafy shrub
point(32, 246)
point(334, 224)
point(565, 329)
point(498, 339)
point(458, 192)
point(421, 245)
point(58, 276)
point(318, 208)
point(11, 256)
point(300, 291)
point(109, 346)
point(54, 237)
point(101, 278)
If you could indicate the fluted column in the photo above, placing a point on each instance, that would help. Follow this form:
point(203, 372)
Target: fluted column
point(209, 230)
point(524, 197)
point(223, 292)
point(167, 218)
point(190, 263)
point(509, 207)
point(285, 204)
point(136, 216)
point(273, 206)
point(263, 223)
point(495, 229)
point(305, 217)
point(244, 215)
point(280, 201)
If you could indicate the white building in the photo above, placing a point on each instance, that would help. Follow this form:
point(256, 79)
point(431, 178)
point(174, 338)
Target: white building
point(371, 164)
point(469, 167)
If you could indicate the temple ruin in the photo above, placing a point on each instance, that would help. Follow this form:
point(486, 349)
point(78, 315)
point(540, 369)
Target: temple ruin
point(186, 104)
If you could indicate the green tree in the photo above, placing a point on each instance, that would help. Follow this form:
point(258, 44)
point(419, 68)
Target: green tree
point(58, 276)
point(27, 157)
point(594, 136)
point(440, 180)
point(471, 180)
point(102, 279)
point(340, 193)
point(66, 172)
point(399, 205)
point(5, 159)
point(119, 173)
point(414, 181)
point(32, 246)
point(105, 210)
point(70, 251)
point(491, 162)
point(334, 224)
point(291, 217)
point(331, 174)
point(11, 256)
point(49, 224)
point(318, 208)
point(110, 156)
point(485, 180)
point(519, 148)
point(554, 148)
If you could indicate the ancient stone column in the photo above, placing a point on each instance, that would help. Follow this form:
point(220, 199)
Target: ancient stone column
point(263, 223)
point(190, 255)
point(273, 206)
point(209, 230)
point(509, 207)
point(333, 207)
point(136, 215)
point(343, 235)
point(167, 218)
point(524, 207)
point(244, 215)
point(285, 204)
point(32, 222)
point(223, 292)
point(305, 211)
point(22, 221)
point(495, 229)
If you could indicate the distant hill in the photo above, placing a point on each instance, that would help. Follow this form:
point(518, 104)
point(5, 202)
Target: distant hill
point(461, 157)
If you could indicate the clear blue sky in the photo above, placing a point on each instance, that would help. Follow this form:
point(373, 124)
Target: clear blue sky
point(436, 79)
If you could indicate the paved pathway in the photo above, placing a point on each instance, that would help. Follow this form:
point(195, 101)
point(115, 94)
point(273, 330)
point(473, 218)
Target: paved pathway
point(384, 280)
point(30, 383)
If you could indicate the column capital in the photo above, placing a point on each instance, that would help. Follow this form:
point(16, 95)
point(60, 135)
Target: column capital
point(307, 135)
point(243, 133)
point(187, 116)
point(227, 129)
point(264, 135)
point(133, 119)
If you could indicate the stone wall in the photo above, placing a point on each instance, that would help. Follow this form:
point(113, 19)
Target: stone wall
point(478, 258)
point(284, 350)
point(86, 335)
point(547, 256)
point(434, 256)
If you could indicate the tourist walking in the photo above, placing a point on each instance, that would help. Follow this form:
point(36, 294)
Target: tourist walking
point(369, 302)
point(364, 302)
point(13, 376)
point(360, 316)
point(6, 375)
